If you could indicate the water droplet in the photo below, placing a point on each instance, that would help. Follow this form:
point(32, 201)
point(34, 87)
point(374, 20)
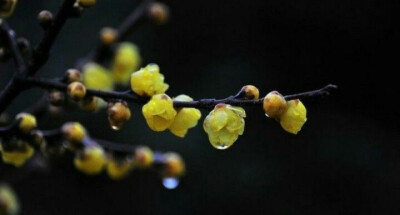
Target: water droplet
point(170, 183)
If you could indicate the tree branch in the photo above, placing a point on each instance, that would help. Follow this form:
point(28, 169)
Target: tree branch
point(11, 41)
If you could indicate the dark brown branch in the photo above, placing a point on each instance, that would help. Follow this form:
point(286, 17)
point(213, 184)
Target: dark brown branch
point(11, 41)
point(202, 103)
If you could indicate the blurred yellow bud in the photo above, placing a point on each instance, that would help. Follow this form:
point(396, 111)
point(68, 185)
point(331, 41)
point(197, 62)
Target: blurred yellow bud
point(224, 124)
point(27, 122)
point(73, 75)
point(89, 104)
point(117, 170)
point(118, 113)
point(18, 156)
point(56, 98)
point(97, 77)
point(143, 157)
point(293, 119)
point(126, 60)
point(76, 91)
point(108, 35)
point(90, 160)
point(148, 81)
point(73, 131)
point(7, 7)
point(9, 204)
point(185, 119)
point(274, 105)
point(174, 165)
point(159, 112)
point(158, 13)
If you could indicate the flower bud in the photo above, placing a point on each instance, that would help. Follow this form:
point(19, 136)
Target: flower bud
point(89, 104)
point(9, 204)
point(118, 169)
point(250, 92)
point(7, 7)
point(73, 75)
point(158, 13)
point(143, 157)
point(174, 165)
point(76, 91)
point(19, 155)
point(118, 113)
point(56, 98)
point(87, 3)
point(274, 105)
point(73, 131)
point(108, 35)
point(27, 122)
point(45, 19)
point(90, 160)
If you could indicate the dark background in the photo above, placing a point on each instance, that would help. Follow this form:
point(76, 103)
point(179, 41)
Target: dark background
point(345, 160)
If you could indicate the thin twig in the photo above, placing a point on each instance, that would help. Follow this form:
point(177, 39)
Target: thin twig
point(9, 34)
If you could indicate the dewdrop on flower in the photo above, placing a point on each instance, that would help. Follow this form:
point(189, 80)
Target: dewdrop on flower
point(118, 169)
point(148, 81)
point(293, 119)
point(18, 156)
point(97, 77)
point(27, 122)
point(90, 160)
point(126, 60)
point(224, 124)
point(159, 112)
point(185, 118)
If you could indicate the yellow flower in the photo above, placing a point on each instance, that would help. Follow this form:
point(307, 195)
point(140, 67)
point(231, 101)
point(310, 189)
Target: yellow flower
point(19, 156)
point(9, 204)
point(27, 122)
point(126, 60)
point(143, 158)
point(185, 118)
point(174, 165)
point(294, 117)
point(97, 77)
point(148, 81)
point(7, 7)
point(224, 124)
point(90, 160)
point(159, 112)
point(118, 169)
point(73, 131)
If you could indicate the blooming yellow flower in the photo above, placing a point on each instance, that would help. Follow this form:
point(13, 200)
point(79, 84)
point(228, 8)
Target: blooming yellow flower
point(90, 160)
point(19, 156)
point(185, 118)
point(9, 204)
point(118, 169)
point(27, 122)
point(224, 124)
point(126, 60)
point(97, 77)
point(148, 81)
point(143, 158)
point(159, 112)
point(294, 117)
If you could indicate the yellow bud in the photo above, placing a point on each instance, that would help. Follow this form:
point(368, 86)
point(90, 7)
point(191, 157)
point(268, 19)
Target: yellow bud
point(224, 124)
point(143, 158)
point(76, 91)
point(118, 169)
point(27, 122)
point(159, 112)
point(118, 113)
point(185, 119)
point(73, 75)
point(127, 59)
point(108, 35)
point(274, 105)
point(158, 13)
point(7, 7)
point(9, 204)
point(174, 165)
point(89, 104)
point(293, 119)
point(73, 131)
point(90, 160)
point(18, 156)
point(97, 77)
point(148, 81)
point(87, 3)
point(251, 92)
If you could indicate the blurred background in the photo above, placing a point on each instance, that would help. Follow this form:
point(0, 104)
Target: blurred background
point(345, 160)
